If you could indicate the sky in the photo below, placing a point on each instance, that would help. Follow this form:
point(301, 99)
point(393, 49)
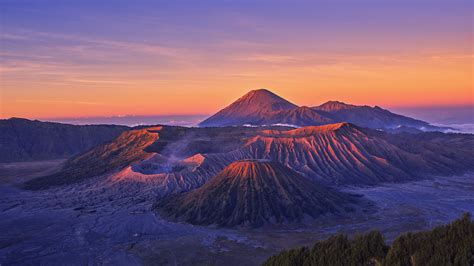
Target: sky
point(63, 59)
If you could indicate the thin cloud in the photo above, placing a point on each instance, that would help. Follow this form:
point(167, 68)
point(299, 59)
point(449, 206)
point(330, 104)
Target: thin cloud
point(97, 81)
point(60, 102)
point(270, 58)
point(154, 49)
point(12, 37)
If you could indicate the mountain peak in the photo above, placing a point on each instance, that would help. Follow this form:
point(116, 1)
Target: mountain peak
point(249, 109)
point(311, 130)
point(333, 106)
point(250, 169)
point(266, 99)
point(17, 119)
point(261, 91)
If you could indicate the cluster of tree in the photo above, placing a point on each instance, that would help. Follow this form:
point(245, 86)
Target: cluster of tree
point(451, 244)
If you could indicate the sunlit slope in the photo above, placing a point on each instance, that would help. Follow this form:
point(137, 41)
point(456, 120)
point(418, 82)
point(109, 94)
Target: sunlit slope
point(254, 192)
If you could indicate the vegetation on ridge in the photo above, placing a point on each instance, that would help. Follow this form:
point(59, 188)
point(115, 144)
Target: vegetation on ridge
point(451, 244)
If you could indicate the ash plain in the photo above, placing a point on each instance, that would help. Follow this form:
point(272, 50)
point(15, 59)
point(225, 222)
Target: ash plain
point(110, 222)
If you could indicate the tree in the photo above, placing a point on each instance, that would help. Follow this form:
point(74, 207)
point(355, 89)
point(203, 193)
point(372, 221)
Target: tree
point(451, 244)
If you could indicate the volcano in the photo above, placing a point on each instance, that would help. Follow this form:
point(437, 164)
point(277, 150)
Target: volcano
point(252, 108)
point(123, 151)
point(340, 153)
point(254, 193)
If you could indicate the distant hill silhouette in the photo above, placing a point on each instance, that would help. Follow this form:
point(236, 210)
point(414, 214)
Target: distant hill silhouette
point(371, 117)
point(27, 140)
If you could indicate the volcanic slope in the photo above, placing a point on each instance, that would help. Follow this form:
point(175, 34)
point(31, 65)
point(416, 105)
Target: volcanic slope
point(254, 193)
point(300, 116)
point(343, 153)
point(126, 149)
point(170, 158)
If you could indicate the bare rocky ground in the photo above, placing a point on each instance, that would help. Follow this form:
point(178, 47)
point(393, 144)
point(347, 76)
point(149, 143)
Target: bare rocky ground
point(109, 222)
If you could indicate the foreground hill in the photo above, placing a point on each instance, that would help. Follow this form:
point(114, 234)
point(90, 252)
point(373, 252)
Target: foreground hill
point(254, 192)
point(451, 244)
point(262, 107)
point(27, 140)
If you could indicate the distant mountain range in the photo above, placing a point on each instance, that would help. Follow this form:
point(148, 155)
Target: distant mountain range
point(262, 107)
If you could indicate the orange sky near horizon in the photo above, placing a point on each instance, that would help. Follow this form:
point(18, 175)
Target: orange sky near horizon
point(388, 82)
point(181, 61)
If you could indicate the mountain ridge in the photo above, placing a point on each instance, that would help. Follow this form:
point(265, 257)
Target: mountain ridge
point(371, 117)
point(263, 107)
point(29, 140)
point(336, 154)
